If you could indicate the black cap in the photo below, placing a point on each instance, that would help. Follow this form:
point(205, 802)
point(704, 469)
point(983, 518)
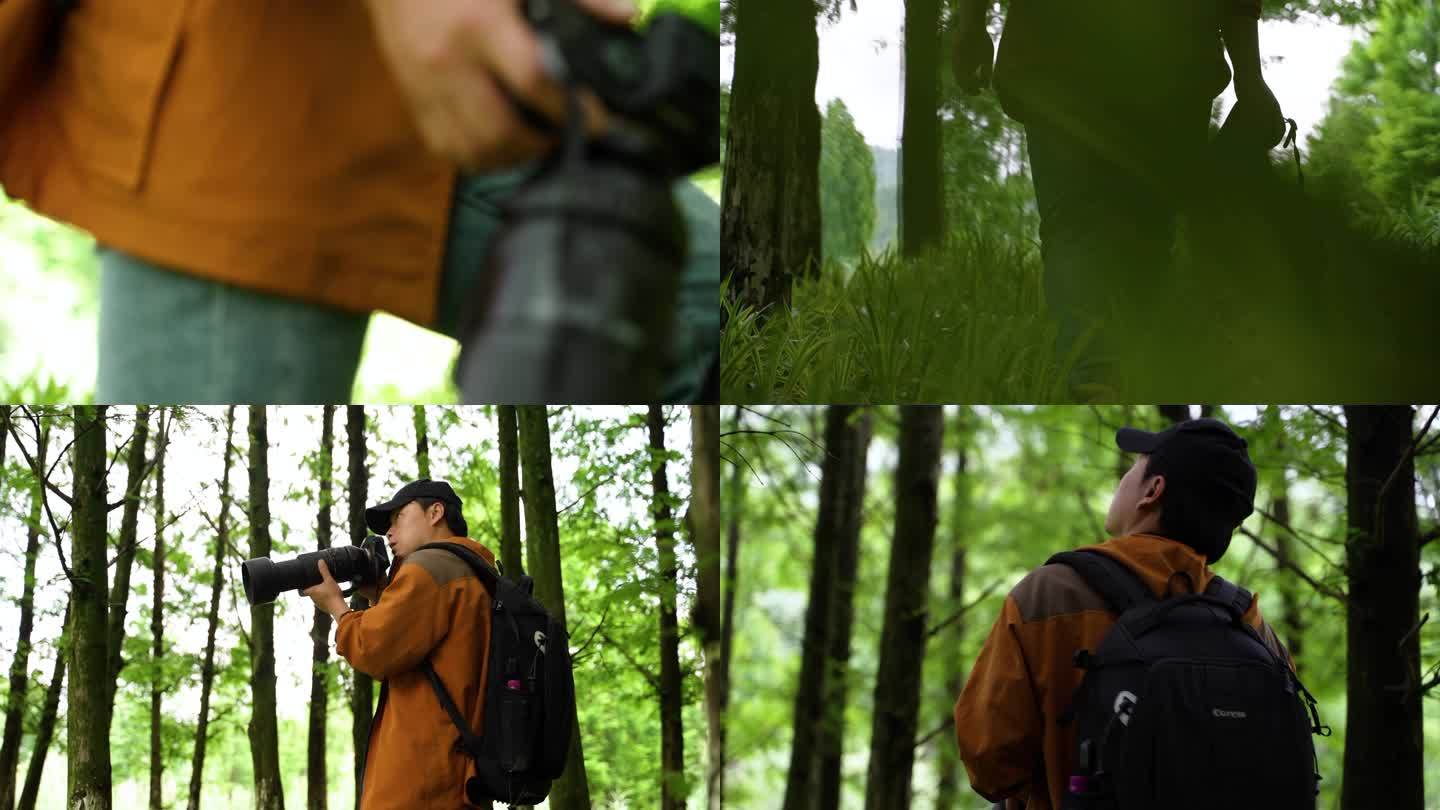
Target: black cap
point(1206, 457)
point(378, 517)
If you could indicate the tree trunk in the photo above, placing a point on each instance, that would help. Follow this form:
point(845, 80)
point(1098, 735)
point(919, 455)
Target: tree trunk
point(1383, 742)
point(849, 515)
point(510, 556)
point(902, 641)
point(948, 782)
point(770, 219)
point(842, 444)
point(45, 728)
point(572, 790)
point(264, 737)
point(362, 692)
point(19, 680)
point(157, 615)
point(921, 203)
point(422, 441)
point(727, 618)
point(672, 730)
point(217, 584)
point(87, 737)
point(1174, 414)
point(1292, 619)
point(705, 534)
point(320, 631)
point(125, 553)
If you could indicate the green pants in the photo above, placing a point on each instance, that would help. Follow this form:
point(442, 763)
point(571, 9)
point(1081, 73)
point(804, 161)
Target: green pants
point(166, 336)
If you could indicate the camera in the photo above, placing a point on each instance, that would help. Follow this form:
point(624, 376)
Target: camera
point(365, 564)
point(580, 296)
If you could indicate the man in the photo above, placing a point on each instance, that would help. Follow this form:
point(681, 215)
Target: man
point(261, 177)
point(1172, 514)
point(1115, 96)
point(434, 608)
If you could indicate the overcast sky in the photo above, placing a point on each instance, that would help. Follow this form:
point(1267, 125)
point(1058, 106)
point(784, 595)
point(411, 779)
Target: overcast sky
point(860, 58)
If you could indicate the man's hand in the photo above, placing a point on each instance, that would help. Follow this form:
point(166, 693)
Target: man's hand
point(452, 58)
point(326, 595)
point(973, 57)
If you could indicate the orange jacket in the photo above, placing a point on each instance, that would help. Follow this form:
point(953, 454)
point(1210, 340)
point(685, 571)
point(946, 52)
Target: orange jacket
point(260, 143)
point(435, 606)
point(1006, 719)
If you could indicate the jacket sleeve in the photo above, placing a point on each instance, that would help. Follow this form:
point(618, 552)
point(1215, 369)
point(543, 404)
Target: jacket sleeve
point(396, 634)
point(997, 718)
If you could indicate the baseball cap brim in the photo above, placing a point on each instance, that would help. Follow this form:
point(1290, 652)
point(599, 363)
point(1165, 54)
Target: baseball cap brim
point(378, 517)
point(1134, 440)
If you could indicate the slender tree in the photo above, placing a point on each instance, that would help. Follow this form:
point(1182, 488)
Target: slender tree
point(736, 492)
point(1384, 765)
point(672, 730)
point(510, 557)
point(830, 732)
point(217, 581)
point(921, 203)
point(87, 737)
point(572, 790)
point(948, 779)
point(422, 441)
point(842, 443)
point(902, 640)
point(19, 681)
point(264, 736)
point(45, 727)
point(705, 534)
point(362, 692)
point(157, 616)
point(770, 200)
point(136, 472)
point(320, 629)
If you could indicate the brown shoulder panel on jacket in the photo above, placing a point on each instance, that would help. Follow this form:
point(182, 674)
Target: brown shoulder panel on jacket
point(440, 564)
point(1054, 590)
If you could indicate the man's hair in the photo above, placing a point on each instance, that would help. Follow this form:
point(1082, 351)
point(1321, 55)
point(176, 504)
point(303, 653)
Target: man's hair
point(1192, 515)
point(453, 518)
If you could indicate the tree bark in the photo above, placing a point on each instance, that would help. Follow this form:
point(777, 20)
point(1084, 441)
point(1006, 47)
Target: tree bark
point(1383, 740)
point(19, 680)
point(902, 641)
point(921, 203)
point(849, 511)
point(705, 534)
point(320, 631)
point(45, 728)
point(362, 692)
point(125, 554)
point(770, 200)
point(422, 441)
point(572, 790)
point(86, 733)
point(264, 736)
point(510, 556)
point(217, 586)
point(157, 615)
point(948, 781)
point(672, 730)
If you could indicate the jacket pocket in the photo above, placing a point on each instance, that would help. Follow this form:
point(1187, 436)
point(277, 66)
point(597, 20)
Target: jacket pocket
point(114, 63)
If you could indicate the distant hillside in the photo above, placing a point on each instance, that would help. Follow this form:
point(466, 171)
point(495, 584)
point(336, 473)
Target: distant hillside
point(887, 184)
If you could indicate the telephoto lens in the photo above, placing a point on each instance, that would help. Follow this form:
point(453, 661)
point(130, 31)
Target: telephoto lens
point(365, 564)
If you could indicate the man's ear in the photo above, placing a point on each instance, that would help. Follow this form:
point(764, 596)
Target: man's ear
point(1154, 488)
point(436, 520)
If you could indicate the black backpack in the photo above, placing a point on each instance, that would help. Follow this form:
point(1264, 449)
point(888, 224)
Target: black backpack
point(529, 697)
point(1184, 705)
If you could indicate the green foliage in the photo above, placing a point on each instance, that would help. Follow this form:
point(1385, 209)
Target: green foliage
point(847, 185)
point(962, 323)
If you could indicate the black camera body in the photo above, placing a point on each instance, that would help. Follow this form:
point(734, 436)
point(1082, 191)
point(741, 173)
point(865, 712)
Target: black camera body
point(584, 276)
point(365, 564)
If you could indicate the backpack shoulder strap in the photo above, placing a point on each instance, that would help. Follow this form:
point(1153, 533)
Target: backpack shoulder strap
point(1117, 584)
point(1231, 594)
